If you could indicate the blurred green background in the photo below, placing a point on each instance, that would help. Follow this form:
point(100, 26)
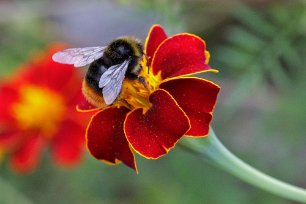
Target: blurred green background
point(259, 48)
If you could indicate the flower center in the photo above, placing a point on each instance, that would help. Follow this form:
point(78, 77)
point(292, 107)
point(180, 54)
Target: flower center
point(135, 93)
point(39, 108)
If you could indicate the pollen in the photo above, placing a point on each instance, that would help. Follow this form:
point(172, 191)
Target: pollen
point(39, 109)
point(135, 93)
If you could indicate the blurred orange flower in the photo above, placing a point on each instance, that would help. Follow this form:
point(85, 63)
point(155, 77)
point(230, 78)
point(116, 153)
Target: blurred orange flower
point(37, 111)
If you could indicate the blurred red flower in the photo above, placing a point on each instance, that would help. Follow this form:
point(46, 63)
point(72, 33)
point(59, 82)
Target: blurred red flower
point(37, 111)
point(151, 118)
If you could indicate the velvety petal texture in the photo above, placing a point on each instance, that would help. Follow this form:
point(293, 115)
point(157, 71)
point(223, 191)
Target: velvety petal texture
point(155, 37)
point(197, 97)
point(105, 137)
point(154, 133)
point(182, 54)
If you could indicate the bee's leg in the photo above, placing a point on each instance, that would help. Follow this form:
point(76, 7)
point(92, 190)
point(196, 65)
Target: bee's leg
point(143, 81)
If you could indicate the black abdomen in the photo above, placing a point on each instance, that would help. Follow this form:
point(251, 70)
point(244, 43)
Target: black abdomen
point(94, 74)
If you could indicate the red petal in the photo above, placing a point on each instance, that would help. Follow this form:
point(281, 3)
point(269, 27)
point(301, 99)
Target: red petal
point(45, 72)
point(27, 156)
point(8, 137)
point(197, 97)
point(84, 106)
point(182, 54)
point(8, 95)
point(155, 37)
point(154, 133)
point(68, 143)
point(106, 139)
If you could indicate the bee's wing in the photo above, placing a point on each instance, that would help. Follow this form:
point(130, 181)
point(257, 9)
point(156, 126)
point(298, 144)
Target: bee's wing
point(79, 57)
point(111, 81)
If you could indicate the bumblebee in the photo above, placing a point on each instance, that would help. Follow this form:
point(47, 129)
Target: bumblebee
point(108, 67)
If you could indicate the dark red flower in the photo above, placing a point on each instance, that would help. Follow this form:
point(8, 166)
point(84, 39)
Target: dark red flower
point(150, 119)
point(36, 111)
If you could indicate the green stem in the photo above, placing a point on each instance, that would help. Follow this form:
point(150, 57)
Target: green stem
point(10, 195)
point(215, 152)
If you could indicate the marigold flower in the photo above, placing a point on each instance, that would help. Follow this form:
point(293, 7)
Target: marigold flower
point(150, 118)
point(36, 112)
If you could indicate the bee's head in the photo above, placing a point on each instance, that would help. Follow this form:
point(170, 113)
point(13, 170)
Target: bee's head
point(124, 50)
point(120, 49)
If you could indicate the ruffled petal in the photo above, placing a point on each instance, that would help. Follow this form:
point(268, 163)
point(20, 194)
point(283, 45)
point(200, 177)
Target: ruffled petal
point(197, 97)
point(67, 145)
point(182, 54)
point(105, 137)
point(26, 157)
point(154, 133)
point(155, 37)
